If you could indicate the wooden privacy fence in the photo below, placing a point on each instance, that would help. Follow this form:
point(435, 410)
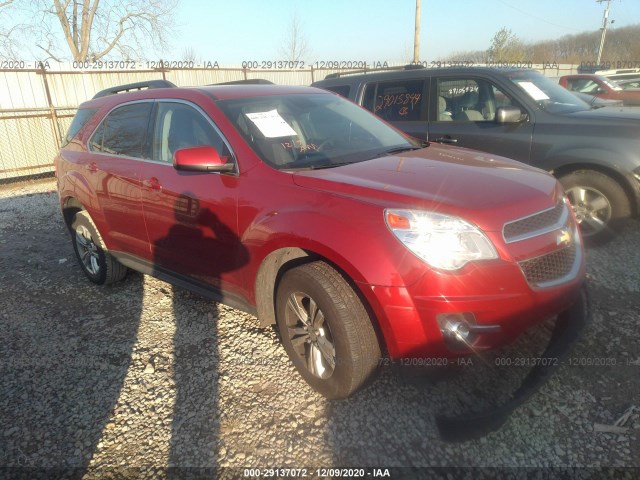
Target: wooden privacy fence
point(37, 105)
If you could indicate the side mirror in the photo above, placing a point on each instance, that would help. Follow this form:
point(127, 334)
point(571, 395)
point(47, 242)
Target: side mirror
point(201, 159)
point(508, 114)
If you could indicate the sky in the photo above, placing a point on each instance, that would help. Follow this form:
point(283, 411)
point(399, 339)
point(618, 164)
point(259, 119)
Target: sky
point(232, 32)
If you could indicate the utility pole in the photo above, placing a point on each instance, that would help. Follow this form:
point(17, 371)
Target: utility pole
point(605, 21)
point(416, 37)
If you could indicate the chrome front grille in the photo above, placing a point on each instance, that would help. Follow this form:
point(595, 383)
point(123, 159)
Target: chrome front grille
point(536, 224)
point(553, 268)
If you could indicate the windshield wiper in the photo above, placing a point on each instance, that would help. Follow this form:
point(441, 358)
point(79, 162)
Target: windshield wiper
point(399, 150)
point(329, 165)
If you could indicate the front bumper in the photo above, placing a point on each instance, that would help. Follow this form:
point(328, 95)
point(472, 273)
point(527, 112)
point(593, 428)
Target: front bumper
point(568, 328)
point(495, 295)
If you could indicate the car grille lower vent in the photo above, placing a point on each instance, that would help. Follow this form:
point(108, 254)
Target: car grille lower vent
point(550, 268)
point(536, 224)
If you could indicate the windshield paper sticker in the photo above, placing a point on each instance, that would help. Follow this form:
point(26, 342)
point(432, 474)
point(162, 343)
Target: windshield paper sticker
point(533, 91)
point(271, 124)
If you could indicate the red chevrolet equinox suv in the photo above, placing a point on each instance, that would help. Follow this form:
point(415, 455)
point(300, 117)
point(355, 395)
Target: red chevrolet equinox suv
point(307, 211)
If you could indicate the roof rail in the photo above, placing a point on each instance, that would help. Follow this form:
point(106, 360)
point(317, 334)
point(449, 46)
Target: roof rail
point(411, 66)
point(134, 86)
point(249, 81)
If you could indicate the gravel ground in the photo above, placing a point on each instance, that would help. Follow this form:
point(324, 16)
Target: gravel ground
point(127, 380)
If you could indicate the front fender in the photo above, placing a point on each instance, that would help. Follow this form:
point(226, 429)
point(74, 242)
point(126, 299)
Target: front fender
point(617, 164)
point(614, 160)
point(363, 248)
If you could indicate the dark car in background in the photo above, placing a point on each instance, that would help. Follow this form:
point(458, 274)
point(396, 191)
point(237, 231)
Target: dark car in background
point(520, 114)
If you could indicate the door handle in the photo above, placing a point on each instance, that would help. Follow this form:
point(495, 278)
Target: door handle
point(446, 140)
point(152, 184)
point(92, 167)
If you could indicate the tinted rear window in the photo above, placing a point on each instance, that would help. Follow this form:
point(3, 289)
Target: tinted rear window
point(80, 120)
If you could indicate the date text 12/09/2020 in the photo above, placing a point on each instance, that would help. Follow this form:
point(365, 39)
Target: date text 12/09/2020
point(317, 65)
point(316, 473)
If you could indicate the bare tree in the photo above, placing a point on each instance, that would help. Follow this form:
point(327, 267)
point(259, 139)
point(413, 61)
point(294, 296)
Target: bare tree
point(505, 47)
point(294, 46)
point(6, 36)
point(93, 29)
point(189, 55)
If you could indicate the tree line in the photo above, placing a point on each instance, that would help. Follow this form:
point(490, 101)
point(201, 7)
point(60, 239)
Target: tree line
point(621, 45)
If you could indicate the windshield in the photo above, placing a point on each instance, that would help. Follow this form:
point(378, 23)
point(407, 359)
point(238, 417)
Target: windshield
point(613, 85)
point(546, 93)
point(311, 130)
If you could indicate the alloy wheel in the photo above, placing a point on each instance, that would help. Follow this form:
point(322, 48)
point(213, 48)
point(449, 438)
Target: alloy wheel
point(593, 210)
point(310, 335)
point(87, 250)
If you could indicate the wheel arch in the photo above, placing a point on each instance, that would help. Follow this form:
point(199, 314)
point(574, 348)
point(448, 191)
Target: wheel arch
point(278, 262)
point(71, 207)
point(266, 284)
point(633, 194)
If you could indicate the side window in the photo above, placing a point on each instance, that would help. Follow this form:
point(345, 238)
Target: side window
point(123, 132)
point(180, 126)
point(96, 142)
point(572, 84)
point(584, 85)
point(591, 87)
point(470, 100)
point(401, 100)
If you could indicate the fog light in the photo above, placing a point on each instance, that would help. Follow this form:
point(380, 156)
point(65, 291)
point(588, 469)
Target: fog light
point(458, 329)
point(455, 325)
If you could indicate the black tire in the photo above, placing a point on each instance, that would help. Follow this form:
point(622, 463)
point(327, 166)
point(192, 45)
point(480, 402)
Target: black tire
point(600, 203)
point(99, 266)
point(346, 326)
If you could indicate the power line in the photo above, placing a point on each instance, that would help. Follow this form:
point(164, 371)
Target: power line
point(538, 18)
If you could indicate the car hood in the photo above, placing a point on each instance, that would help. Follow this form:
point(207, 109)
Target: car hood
point(485, 189)
point(614, 113)
point(596, 101)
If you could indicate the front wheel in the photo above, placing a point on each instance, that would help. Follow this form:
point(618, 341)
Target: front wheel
point(599, 202)
point(326, 330)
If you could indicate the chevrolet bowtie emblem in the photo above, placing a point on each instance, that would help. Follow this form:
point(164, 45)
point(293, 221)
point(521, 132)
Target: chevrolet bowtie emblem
point(564, 237)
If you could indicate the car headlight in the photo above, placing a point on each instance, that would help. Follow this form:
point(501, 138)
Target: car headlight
point(443, 241)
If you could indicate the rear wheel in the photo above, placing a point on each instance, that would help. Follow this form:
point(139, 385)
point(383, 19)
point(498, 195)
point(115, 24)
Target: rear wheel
point(326, 330)
point(599, 202)
point(99, 266)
